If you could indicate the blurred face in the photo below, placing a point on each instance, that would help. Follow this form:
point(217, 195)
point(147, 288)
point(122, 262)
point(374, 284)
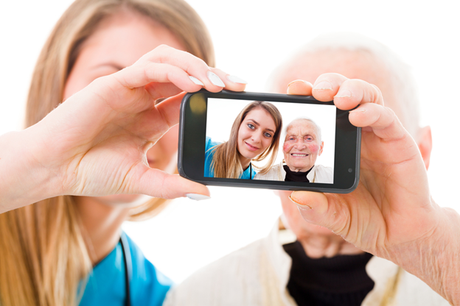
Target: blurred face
point(117, 43)
point(301, 146)
point(255, 133)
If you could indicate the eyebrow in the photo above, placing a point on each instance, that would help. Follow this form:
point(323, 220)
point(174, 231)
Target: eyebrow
point(110, 64)
point(259, 125)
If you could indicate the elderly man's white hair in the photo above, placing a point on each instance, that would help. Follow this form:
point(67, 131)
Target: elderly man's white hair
point(302, 119)
point(399, 75)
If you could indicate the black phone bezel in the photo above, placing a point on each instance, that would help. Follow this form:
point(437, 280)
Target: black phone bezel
point(192, 137)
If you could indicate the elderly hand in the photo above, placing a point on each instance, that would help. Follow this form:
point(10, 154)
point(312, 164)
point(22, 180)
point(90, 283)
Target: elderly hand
point(391, 213)
point(95, 143)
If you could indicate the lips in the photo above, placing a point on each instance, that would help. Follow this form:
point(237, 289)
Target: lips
point(251, 147)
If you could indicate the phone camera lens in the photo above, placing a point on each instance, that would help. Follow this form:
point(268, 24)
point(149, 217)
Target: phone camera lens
point(350, 170)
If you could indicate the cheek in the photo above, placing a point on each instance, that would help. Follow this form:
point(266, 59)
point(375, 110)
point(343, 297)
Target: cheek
point(287, 147)
point(313, 147)
point(267, 142)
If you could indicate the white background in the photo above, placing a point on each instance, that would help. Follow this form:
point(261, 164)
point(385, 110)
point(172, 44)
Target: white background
point(251, 37)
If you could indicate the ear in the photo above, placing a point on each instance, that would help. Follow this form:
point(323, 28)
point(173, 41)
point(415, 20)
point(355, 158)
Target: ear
point(321, 148)
point(425, 144)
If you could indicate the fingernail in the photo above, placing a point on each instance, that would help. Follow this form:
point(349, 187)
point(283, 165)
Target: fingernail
point(323, 85)
point(195, 80)
point(236, 79)
point(197, 197)
point(343, 94)
point(300, 206)
point(215, 79)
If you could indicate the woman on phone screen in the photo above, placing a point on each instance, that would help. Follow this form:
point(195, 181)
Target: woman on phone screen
point(254, 136)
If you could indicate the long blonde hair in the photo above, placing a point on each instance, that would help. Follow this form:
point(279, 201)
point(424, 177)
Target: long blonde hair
point(44, 257)
point(226, 162)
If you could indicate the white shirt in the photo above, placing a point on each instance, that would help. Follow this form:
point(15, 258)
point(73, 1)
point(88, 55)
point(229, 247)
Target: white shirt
point(319, 174)
point(258, 274)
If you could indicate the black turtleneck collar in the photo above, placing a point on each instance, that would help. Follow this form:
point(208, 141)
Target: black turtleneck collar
point(292, 176)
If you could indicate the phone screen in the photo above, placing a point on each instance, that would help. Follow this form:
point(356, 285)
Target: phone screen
point(264, 140)
point(306, 141)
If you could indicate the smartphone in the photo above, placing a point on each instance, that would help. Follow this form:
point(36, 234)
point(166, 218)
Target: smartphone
point(271, 141)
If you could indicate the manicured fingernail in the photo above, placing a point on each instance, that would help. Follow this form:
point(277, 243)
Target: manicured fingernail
point(197, 197)
point(195, 80)
point(323, 85)
point(343, 94)
point(236, 79)
point(215, 79)
point(300, 206)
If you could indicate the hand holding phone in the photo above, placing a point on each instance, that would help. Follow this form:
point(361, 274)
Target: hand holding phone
point(273, 141)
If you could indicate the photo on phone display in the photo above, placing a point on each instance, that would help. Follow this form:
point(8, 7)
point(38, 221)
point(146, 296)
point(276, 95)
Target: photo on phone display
point(269, 140)
point(265, 140)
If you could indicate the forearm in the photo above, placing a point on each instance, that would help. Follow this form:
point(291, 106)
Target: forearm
point(23, 180)
point(436, 259)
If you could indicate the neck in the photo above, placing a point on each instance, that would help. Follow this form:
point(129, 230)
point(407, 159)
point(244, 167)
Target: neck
point(317, 246)
point(102, 224)
point(244, 162)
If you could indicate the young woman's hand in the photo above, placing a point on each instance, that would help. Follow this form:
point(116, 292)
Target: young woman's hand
point(95, 142)
point(391, 213)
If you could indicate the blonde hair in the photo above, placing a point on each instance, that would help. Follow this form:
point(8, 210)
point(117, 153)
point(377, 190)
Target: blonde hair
point(226, 161)
point(44, 257)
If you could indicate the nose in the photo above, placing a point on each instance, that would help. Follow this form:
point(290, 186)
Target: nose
point(256, 137)
point(300, 144)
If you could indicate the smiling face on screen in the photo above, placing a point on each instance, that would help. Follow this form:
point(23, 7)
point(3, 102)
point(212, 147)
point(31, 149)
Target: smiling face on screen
point(255, 134)
point(302, 145)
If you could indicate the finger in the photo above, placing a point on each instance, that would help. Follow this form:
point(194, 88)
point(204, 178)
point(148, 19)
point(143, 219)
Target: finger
point(346, 93)
point(355, 92)
point(383, 121)
point(327, 85)
point(321, 209)
point(170, 108)
point(335, 213)
point(300, 87)
point(191, 64)
point(151, 75)
point(316, 209)
point(156, 121)
point(159, 184)
point(232, 82)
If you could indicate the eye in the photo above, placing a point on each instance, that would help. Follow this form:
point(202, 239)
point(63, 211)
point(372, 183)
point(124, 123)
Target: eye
point(268, 135)
point(252, 127)
point(309, 138)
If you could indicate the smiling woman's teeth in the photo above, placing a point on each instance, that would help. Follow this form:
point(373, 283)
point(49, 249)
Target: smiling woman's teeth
point(300, 155)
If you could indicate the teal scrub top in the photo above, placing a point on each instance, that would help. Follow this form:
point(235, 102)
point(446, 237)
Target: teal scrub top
point(248, 174)
point(106, 284)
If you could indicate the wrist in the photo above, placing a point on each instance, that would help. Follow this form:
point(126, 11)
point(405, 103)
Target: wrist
point(23, 179)
point(434, 258)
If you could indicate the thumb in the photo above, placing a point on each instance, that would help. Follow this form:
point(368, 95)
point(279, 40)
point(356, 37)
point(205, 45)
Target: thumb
point(321, 209)
point(159, 184)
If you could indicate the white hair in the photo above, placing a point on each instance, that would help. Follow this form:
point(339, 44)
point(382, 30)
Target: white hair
point(317, 128)
point(399, 74)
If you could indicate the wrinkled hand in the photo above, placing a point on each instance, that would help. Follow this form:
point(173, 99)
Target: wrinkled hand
point(95, 143)
point(391, 213)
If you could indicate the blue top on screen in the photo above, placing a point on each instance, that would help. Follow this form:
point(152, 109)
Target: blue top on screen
point(209, 155)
